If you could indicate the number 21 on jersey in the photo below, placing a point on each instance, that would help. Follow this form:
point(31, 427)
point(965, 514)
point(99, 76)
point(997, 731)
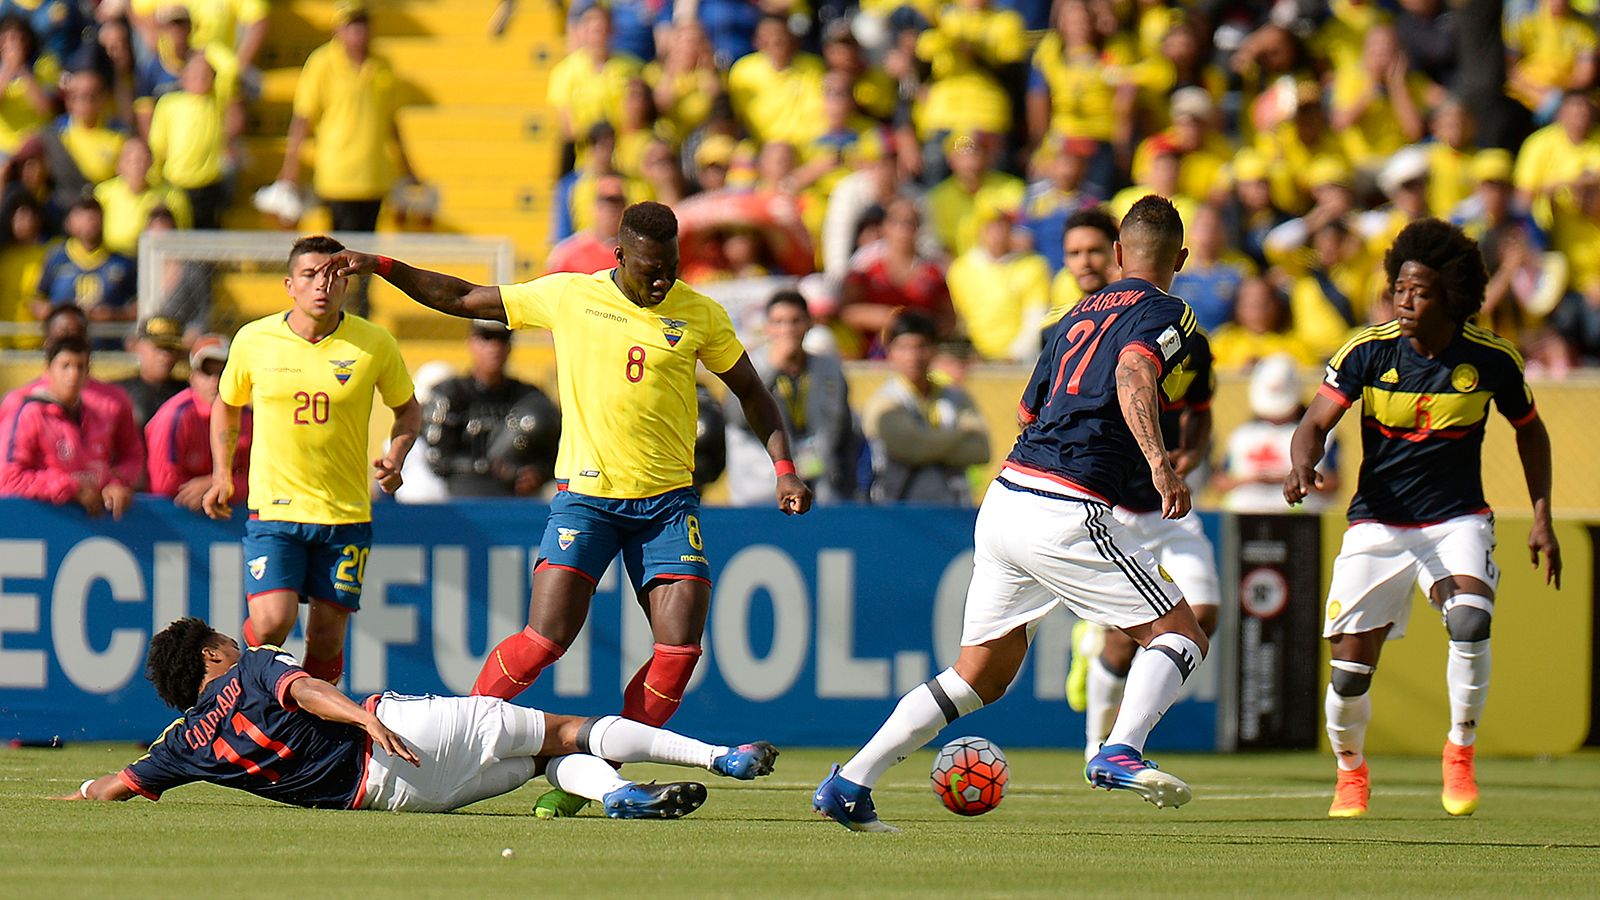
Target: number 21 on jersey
point(1084, 336)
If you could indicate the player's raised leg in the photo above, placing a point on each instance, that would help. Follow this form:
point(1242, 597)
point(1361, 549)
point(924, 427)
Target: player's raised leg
point(556, 613)
point(581, 537)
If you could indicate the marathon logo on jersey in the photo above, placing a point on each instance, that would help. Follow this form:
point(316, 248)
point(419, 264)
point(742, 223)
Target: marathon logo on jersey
point(343, 369)
point(1170, 341)
point(258, 568)
point(673, 329)
point(565, 537)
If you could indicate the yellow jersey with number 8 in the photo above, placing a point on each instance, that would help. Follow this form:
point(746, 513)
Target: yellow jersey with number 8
point(313, 404)
point(626, 376)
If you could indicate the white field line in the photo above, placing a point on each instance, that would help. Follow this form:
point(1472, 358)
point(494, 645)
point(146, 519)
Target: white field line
point(1012, 791)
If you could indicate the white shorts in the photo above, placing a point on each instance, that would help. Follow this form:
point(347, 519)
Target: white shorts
point(1182, 549)
point(1380, 565)
point(1035, 552)
point(471, 748)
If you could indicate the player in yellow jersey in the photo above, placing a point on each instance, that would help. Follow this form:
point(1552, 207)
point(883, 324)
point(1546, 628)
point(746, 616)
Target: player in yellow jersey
point(627, 342)
point(310, 374)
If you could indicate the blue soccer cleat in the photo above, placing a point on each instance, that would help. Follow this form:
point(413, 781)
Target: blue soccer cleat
point(672, 800)
point(847, 803)
point(1120, 767)
point(747, 761)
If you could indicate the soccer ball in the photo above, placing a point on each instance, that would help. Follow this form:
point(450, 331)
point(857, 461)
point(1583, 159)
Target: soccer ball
point(970, 776)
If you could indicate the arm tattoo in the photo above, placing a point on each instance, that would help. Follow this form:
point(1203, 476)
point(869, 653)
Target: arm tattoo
point(1137, 391)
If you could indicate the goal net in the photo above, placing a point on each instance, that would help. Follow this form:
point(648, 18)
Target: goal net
point(219, 280)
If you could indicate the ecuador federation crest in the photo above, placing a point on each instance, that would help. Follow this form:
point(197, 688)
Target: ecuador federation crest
point(343, 369)
point(673, 329)
point(566, 536)
point(258, 567)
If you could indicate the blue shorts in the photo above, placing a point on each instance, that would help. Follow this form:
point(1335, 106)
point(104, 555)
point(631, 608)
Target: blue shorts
point(318, 562)
point(659, 537)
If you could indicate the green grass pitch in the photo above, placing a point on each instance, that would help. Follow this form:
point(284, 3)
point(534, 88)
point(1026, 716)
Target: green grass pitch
point(1255, 828)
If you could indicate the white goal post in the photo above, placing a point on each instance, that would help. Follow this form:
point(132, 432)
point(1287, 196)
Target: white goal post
point(174, 262)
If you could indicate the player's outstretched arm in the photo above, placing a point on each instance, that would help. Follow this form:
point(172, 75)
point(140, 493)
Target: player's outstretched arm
point(1310, 442)
point(106, 787)
point(1533, 446)
point(446, 293)
point(324, 701)
point(1141, 409)
point(761, 411)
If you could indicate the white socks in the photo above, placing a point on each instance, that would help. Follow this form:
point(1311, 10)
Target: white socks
point(920, 714)
point(624, 741)
point(584, 775)
point(1467, 675)
point(1105, 689)
point(1347, 727)
point(1153, 684)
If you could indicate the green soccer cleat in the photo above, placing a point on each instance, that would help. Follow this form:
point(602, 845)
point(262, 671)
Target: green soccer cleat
point(1087, 641)
point(558, 804)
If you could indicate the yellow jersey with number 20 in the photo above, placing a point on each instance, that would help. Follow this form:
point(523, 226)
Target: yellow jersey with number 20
point(313, 404)
point(626, 375)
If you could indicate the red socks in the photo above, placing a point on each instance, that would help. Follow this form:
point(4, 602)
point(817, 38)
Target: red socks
point(515, 664)
point(328, 669)
point(251, 639)
point(653, 694)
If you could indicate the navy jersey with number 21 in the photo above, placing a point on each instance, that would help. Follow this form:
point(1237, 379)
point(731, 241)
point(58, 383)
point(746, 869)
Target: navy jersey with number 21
point(1076, 434)
point(245, 732)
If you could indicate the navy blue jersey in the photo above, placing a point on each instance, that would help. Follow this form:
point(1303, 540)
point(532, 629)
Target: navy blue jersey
point(1191, 387)
point(1076, 434)
point(245, 732)
point(1422, 419)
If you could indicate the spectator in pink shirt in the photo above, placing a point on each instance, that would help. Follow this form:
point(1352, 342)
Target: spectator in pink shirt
point(595, 247)
point(63, 446)
point(179, 434)
point(108, 399)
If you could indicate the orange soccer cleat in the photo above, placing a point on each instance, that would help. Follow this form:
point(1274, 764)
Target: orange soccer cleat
point(1350, 794)
point(1460, 796)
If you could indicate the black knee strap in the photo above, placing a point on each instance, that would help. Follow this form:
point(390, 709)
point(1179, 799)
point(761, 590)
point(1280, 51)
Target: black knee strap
point(583, 734)
point(1351, 679)
point(1467, 623)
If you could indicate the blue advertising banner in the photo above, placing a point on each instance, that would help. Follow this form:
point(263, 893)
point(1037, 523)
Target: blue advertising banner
point(817, 624)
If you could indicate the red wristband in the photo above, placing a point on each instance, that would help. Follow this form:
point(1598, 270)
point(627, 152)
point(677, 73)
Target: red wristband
point(384, 265)
point(783, 467)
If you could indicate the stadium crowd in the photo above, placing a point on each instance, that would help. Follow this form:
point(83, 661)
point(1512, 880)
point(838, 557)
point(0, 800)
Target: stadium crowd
point(929, 185)
point(932, 155)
